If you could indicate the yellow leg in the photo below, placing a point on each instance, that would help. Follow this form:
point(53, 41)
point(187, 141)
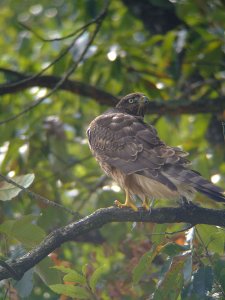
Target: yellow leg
point(145, 204)
point(128, 203)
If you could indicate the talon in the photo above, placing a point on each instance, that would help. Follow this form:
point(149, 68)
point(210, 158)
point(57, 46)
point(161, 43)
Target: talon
point(127, 203)
point(148, 206)
point(118, 203)
point(145, 204)
point(183, 201)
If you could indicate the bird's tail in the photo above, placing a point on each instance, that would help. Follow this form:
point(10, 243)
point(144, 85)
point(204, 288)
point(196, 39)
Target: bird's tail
point(199, 183)
point(210, 190)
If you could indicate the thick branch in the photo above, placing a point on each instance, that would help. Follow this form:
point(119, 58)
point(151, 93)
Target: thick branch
point(49, 81)
point(187, 214)
point(103, 97)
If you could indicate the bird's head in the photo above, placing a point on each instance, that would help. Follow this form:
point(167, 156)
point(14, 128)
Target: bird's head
point(134, 104)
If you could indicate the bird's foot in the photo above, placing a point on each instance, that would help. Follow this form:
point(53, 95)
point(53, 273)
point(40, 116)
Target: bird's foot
point(126, 204)
point(146, 205)
point(183, 201)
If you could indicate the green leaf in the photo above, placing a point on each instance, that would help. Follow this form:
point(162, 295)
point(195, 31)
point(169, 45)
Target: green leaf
point(219, 269)
point(188, 269)
point(9, 191)
point(98, 273)
point(85, 270)
point(157, 235)
point(144, 264)
point(202, 281)
point(25, 285)
point(70, 291)
point(72, 275)
point(170, 285)
point(213, 237)
point(23, 230)
point(75, 277)
point(6, 227)
point(173, 249)
point(28, 234)
point(12, 152)
point(45, 271)
point(63, 269)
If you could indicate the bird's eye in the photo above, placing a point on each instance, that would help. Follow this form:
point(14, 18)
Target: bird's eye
point(131, 100)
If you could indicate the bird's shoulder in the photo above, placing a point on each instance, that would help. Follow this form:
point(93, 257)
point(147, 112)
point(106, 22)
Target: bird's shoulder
point(115, 120)
point(116, 127)
point(128, 143)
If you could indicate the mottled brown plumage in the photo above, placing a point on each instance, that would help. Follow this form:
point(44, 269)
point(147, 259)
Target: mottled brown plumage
point(130, 151)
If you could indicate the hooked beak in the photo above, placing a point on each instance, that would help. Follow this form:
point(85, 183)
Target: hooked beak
point(144, 100)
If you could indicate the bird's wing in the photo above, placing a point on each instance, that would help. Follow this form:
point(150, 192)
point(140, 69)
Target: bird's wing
point(130, 145)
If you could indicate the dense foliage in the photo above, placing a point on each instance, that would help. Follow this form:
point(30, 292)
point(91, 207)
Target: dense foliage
point(43, 123)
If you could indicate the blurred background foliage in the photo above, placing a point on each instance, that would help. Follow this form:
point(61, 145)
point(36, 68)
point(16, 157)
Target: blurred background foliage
point(169, 50)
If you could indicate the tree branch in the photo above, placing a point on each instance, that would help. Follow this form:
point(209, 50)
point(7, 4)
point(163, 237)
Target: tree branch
point(49, 81)
point(68, 73)
point(102, 97)
point(191, 214)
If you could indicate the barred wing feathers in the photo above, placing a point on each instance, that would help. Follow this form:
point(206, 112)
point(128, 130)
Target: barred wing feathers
point(128, 144)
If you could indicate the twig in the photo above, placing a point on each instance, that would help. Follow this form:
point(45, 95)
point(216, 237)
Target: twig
point(27, 79)
point(179, 231)
point(49, 81)
point(173, 232)
point(65, 77)
point(196, 85)
point(91, 191)
point(39, 197)
point(102, 97)
point(95, 20)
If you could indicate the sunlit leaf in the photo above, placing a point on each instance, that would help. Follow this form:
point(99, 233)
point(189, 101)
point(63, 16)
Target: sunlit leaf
point(75, 277)
point(9, 191)
point(85, 270)
point(173, 249)
point(158, 233)
point(71, 275)
point(96, 276)
point(70, 291)
point(213, 238)
point(63, 269)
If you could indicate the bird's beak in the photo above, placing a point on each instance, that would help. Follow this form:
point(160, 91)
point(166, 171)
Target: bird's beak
point(144, 100)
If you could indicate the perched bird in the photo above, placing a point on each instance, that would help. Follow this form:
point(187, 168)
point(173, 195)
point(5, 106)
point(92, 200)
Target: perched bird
point(130, 151)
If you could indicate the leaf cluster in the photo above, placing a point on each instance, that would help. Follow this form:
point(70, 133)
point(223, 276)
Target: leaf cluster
point(175, 68)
